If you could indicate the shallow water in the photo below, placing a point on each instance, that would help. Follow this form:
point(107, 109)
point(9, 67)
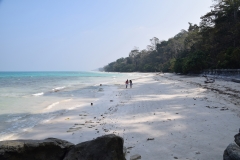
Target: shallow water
point(30, 98)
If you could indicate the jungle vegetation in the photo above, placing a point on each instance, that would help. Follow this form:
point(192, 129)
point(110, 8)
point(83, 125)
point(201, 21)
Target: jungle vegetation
point(213, 44)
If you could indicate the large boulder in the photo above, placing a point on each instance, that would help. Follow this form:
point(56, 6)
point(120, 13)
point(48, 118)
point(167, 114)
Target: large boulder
point(109, 147)
point(232, 152)
point(237, 139)
point(50, 149)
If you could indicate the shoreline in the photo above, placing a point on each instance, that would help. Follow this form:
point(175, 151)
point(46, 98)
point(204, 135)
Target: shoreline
point(163, 116)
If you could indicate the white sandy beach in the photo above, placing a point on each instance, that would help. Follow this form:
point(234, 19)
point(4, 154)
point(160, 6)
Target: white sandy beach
point(183, 117)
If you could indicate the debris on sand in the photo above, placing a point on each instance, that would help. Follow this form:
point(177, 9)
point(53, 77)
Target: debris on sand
point(135, 157)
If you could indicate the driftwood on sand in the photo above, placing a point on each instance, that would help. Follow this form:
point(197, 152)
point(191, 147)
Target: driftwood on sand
point(209, 80)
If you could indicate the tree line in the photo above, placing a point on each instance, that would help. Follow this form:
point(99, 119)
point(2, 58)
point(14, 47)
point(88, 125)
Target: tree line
point(213, 44)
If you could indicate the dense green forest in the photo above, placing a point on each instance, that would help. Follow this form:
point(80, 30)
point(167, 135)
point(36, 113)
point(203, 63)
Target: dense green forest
point(213, 44)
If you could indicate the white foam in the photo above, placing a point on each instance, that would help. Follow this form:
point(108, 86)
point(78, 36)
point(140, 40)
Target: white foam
point(49, 119)
point(71, 108)
point(52, 105)
point(67, 100)
point(58, 89)
point(38, 94)
point(13, 119)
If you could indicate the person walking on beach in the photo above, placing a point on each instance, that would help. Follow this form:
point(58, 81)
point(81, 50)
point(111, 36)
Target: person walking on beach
point(130, 83)
point(126, 83)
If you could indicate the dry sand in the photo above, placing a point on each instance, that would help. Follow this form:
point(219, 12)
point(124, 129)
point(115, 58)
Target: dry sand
point(162, 117)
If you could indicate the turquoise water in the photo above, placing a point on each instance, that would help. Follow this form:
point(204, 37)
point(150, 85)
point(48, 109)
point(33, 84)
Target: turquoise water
point(29, 98)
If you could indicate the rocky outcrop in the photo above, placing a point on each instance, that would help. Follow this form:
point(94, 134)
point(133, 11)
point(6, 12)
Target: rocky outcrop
point(109, 147)
point(237, 139)
point(51, 149)
point(232, 152)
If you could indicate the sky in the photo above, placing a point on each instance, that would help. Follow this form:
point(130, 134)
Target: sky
point(83, 35)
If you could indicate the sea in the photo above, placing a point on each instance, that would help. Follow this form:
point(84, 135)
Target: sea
point(30, 98)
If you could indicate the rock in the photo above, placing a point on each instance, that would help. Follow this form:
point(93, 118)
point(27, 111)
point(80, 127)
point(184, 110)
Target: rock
point(108, 147)
point(237, 139)
point(232, 152)
point(50, 149)
point(135, 157)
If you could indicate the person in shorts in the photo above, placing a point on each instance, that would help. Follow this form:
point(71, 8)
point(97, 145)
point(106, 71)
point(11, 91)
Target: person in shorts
point(126, 83)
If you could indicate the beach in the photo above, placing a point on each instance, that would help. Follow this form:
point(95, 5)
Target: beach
point(164, 116)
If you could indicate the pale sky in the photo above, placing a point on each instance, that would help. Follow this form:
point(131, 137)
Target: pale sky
point(82, 35)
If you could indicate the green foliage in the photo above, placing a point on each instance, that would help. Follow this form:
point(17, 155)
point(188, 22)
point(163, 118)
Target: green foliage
point(193, 63)
point(215, 43)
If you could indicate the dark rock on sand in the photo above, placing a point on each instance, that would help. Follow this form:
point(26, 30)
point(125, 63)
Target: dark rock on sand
point(232, 152)
point(50, 149)
point(109, 147)
point(135, 157)
point(237, 139)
